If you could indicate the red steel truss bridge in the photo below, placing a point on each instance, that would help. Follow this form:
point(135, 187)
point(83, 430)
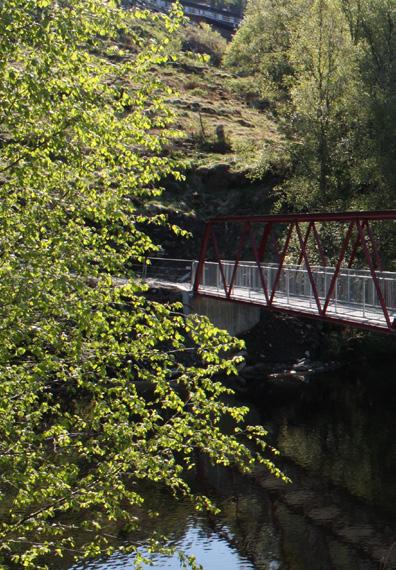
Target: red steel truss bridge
point(326, 266)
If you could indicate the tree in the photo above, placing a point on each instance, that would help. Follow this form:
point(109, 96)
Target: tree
point(327, 107)
point(328, 73)
point(83, 123)
point(373, 23)
point(336, 102)
point(260, 46)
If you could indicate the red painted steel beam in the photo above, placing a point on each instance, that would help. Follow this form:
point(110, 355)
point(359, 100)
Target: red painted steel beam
point(301, 257)
point(244, 234)
point(281, 262)
point(218, 259)
point(258, 261)
point(374, 247)
point(202, 256)
point(371, 239)
point(333, 282)
point(303, 246)
point(318, 217)
point(354, 251)
point(323, 257)
point(264, 240)
point(361, 228)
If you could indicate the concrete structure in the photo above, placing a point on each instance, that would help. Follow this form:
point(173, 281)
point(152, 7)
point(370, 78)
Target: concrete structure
point(195, 10)
point(233, 317)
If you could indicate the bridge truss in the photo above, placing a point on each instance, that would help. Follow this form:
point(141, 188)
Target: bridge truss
point(327, 266)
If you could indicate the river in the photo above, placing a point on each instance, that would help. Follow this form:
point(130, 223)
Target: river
point(336, 440)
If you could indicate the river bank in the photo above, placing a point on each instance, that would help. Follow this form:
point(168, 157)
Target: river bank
point(283, 354)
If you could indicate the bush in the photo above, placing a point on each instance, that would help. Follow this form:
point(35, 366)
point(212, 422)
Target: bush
point(202, 38)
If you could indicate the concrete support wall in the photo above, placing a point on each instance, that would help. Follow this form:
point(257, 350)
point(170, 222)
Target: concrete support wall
point(236, 318)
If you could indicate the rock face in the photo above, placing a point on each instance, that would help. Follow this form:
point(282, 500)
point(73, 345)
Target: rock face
point(219, 176)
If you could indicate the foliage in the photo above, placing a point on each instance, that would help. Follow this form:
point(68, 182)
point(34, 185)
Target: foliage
point(234, 6)
point(327, 67)
point(259, 48)
point(203, 39)
point(83, 121)
point(325, 92)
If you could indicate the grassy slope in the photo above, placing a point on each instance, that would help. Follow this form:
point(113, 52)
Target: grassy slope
point(217, 168)
point(205, 101)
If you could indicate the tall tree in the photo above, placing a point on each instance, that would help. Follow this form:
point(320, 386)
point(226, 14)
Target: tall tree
point(332, 71)
point(327, 107)
point(374, 23)
point(83, 122)
point(260, 46)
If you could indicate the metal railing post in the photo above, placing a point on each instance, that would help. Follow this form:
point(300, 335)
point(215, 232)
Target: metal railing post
point(288, 286)
point(202, 256)
point(348, 286)
point(194, 265)
point(325, 284)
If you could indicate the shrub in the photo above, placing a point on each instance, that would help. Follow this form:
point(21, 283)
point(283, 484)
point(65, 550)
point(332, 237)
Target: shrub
point(202, 38)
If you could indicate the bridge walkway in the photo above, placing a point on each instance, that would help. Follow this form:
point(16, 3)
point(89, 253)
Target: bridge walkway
point(354, 302)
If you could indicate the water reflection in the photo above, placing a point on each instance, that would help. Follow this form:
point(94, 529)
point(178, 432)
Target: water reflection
point(340, 512)
point(209, 548)
point(343, 431)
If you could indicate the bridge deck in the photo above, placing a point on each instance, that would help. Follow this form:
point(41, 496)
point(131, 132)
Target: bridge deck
point(355, 297)
point(350, 296)
point(304, 306)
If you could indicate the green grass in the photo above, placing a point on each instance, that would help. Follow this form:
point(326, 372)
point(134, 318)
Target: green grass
point(205, 101)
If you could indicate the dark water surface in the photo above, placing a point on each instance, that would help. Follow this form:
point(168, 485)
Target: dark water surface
point(336, 438)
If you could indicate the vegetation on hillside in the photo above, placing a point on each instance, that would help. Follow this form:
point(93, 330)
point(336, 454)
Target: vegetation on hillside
point(84, 129)
point(327, 69)
point(215, 123)
point(203, 39)
point(222, 134)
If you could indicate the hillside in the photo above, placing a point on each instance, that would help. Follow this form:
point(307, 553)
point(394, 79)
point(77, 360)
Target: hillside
point(222, 134)
point(222, 138)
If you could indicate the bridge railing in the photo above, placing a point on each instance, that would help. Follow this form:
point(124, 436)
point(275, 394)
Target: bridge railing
point(165, 269)
point(354, 289)
point(361, 297)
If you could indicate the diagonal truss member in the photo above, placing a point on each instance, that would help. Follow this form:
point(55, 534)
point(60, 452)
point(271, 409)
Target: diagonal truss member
point(292, 263)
